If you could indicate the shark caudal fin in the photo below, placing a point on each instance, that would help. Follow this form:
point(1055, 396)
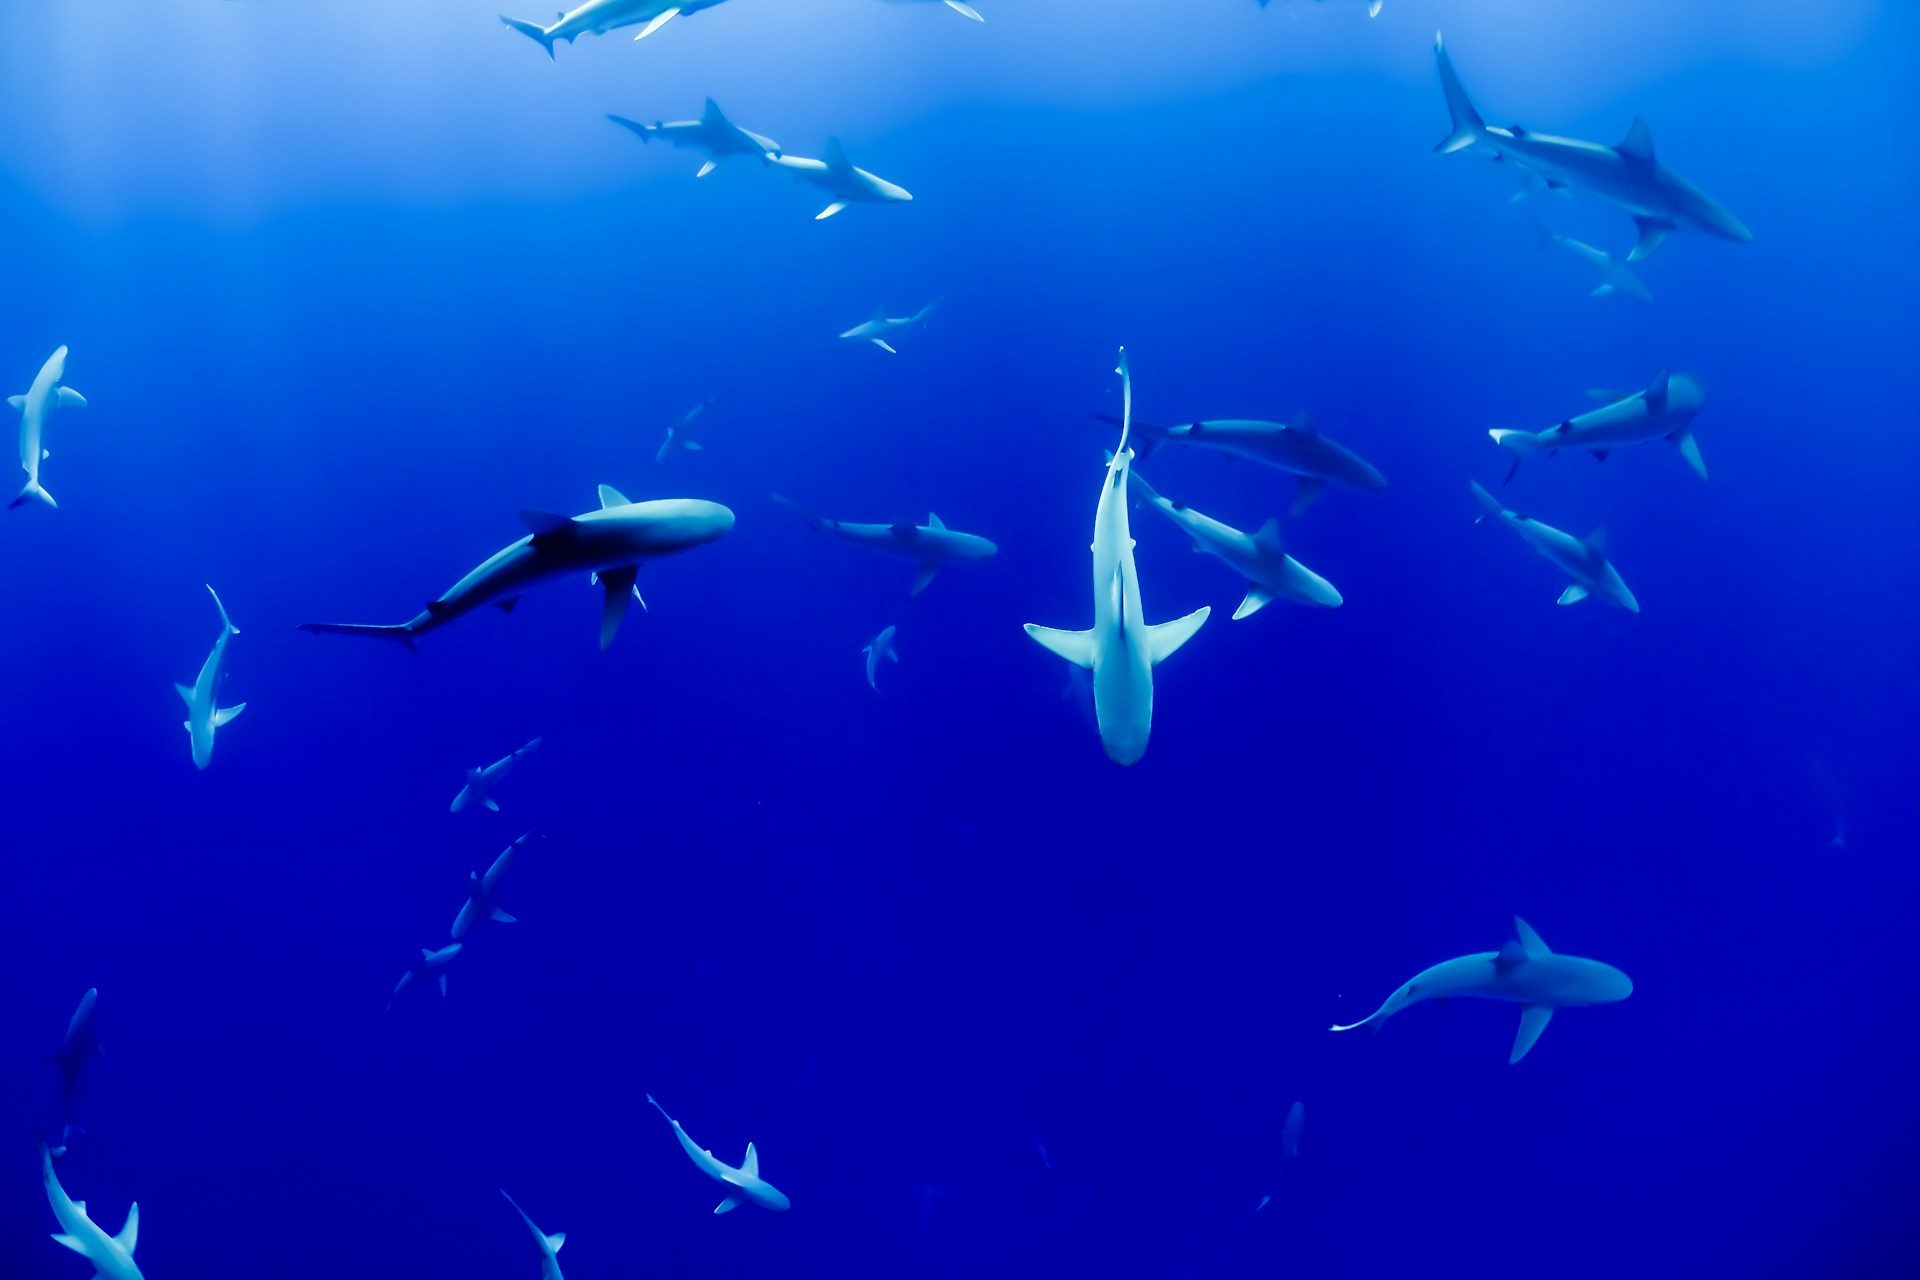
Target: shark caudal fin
point(33, 492)
point(532, 31)
point(403, 632)
point(1467, 124)
point(225, 621)
point(817, 521)
point(644, 132)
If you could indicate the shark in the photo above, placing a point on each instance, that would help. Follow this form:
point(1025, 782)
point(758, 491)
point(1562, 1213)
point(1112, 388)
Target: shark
point(111, 1256)
point(1616, 278)
point(1662, 410)
point(712, 135)
point(1297, 447)
point(597, 17)
point(482, 781)
point(881, 646)
point(609, 545)
point(1261, 557)
point(1628, 176)
point(844, 182)
point(931, 546)
point(1523, 972)
point(958, 6)
point(878, 327)
point(482, 888)
point(431, 967)
point(744, 1184)
point(1289, 1145)
point(1583, 560)
point(204, 714)
point(1121, 648)
point(1373, 7)
point(550, 1245)
point(79, 1046)
point(680, 437)
point(46, 394)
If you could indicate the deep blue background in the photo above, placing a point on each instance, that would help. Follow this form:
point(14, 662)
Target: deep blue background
point(347, 284)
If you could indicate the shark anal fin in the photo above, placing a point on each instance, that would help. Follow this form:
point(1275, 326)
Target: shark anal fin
point(1533, 1020)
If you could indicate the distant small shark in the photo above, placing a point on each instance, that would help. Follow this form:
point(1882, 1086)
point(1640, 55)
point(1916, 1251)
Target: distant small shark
point(482, 889)
point(597, 17)
point(204, 716)
point(1261, 558)
point(1523, 972)
point(610, 544)
point(958, 6)
point(79, 1046)
point(482, 781)
point(111, 1256)
point(844, 182)
point(1615, 278)
point(1584, 560)
point(1297, 447)
point(1663, 410)
point(931, 545)
point(680, 435)
point(45, 395)
point(1627, 176)
point(744, 1184)
point(550, 1245)
point(881, 646)
point(1289, 1144)
point(713, 135)
point(431, 967)
point(880, 326)
point(1121, 648)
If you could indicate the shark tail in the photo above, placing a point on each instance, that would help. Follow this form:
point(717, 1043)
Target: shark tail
point(1467, 124)
point(532, 31)
point(812, 518)
point(1489, 506)
point(33, 492)
point(404, 632)
point(642, 131)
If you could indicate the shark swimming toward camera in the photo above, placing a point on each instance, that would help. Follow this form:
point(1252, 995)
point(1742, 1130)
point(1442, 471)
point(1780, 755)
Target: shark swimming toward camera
point(881, 646)
point(844, 182)
point(712, 135)
point(1296, 447)
point(204, 714)
point(483, 889)
point(45, 395)
point(744, 1184)
point(1663, 410)
point(597, 17)
point(1583, 560)
point(111, 1256)
point(958, 6)
point(550, 1245)
point(880, 326)
point(609, 544)
point(482, 781)
point(1523, 972)
point(431, 967)
point(931, 546)
point(680, 437)
point(1121, 648)
point(1261, 558)
point(1628, 176)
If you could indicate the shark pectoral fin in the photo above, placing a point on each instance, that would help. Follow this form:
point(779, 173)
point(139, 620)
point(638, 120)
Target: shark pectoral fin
point(1652, 232)
point(1310, 487)
point(830, 210)
point(1601, 290)
point(130, 1234)
point(225, 714)
point(665, 16)
point(707, 168)
point(885, 346)
point(502, 917)
point(544, 524)
point(1690, 450)
point(1533, 1020)
point(965, 10)
point(1258, 598)
point(1075, 646)
point(70, 1243)
point(493, 806)
point(922, 578)
point(1373, 8)
point(618, 584)
point(68, 398)
point(557, 1241)
point(728, 1205)
point(1574, 594)
point(1164, 640)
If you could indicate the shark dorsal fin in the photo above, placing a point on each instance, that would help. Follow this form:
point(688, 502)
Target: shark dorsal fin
point(1657, 389)
point(933, 521)
point(129, 1237)
point(544, 523)
point(1303, 424)
point(612, 497)
point(1268, 536)
point(1637, 146)
point(1529, 940)
point(713, 115)
point(835, 156)
point(879, 311)
point(1596, 542)
point(751, 1165)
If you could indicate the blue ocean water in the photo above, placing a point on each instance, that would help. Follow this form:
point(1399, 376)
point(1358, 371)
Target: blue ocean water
point(348, 285)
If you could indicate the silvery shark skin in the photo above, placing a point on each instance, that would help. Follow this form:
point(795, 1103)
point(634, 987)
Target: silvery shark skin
point(1523, 972)
point(1296, 447)
point(1261, 558)
point(432, 967)
point(1627, 176)
point(111, 1256)
point(597, 17)
point(482, 891)
point(744, 1184)
point(880, 326)
point(204, 716)
point(482, 781)
point(844, 182)
point(35, 407)
point(1664, 410)
point(712, 135)
point(550, 1245)
point(930, 545)
point(881, 646)
point(1583, 560)
point(1121, 648)
point(958, 6)
point(610, 544)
